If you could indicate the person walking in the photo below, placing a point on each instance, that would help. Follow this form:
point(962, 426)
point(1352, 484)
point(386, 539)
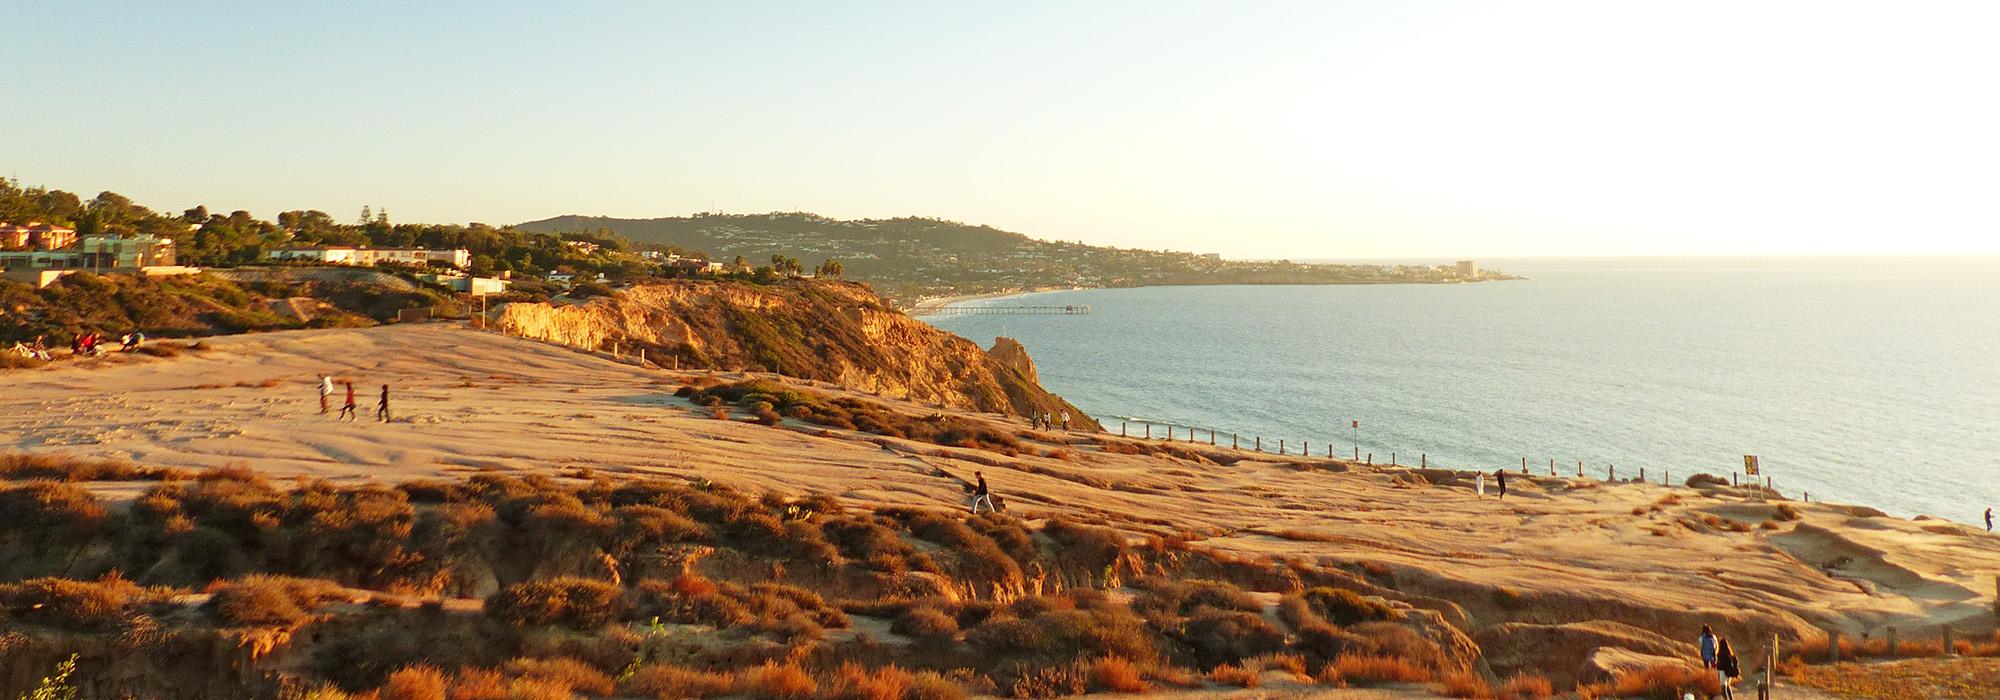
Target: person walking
point(347, 411)
point(980, 494)
point(1500, 479)
point(1707, 643)
point(382, 405)
point(1989, 520)
point(1479, 484)
point(1065, 420)
point(325, 394)
point(1725, 669)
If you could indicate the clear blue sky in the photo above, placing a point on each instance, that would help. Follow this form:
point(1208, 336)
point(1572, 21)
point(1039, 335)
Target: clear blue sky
point(1310, 129)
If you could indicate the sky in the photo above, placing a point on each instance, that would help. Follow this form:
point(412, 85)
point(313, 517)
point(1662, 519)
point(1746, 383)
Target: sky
point(1253, 129)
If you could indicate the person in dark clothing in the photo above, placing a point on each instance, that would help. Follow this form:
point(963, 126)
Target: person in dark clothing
point(347, 411)
point(382, 406)
point(1725, 669)
point(1989, 520)
point(1500, 476)
point(980, 494)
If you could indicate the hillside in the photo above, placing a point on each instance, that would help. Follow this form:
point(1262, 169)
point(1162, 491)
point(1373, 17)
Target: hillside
point(820, 330)
point(910, 258)
point(563, 518)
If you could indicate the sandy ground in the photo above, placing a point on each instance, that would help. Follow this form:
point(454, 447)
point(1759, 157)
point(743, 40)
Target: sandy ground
point(467, 401)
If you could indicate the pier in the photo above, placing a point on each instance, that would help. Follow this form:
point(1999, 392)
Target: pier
point(1065, 310)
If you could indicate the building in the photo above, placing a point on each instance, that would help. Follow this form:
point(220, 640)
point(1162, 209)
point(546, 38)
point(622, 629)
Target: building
point(369, 257)
point(478, 286)
point(35, 235)
point(1468, 269)
point(110, 251)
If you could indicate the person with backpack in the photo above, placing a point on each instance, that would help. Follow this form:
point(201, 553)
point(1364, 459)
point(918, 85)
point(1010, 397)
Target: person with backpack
point(1707, 644)
point(980, 494)
point(1726, 669)
point(347, 411)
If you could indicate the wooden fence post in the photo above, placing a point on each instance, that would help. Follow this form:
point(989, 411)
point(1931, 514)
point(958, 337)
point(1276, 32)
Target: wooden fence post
point(1371, 459)
point(1259, 443)
point(1149, 431)
point(1424, 459)
point(1833, 646)
point(1948, 649)
point(1892, 641)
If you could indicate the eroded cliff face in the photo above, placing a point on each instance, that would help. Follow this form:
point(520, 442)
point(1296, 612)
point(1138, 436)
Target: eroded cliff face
point(830, 331)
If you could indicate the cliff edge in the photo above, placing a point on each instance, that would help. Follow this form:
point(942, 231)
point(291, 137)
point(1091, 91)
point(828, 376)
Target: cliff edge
point(837, 332)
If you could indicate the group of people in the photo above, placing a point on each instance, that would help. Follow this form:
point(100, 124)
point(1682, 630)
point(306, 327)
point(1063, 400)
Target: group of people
point(88, 344)
point(348, 410)
point(1499, 478)
point(1718, 657)
point(1043, 421)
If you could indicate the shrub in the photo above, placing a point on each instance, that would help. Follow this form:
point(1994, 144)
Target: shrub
point(1214, 637)
point(477, 684)
point(669, 682)
point(1785, 511)
point(1344, 607)
point(567, 672)
point(573, 602)
point(1465, 684)
point(1706, 480)
point(1228, 674)
point(853, 682)
point(774, 681)
point(80, 605)
point(414, 683)
point(1061, 680)
point(1665, 682)
point(1523, 686)
point(931, 685)
point(927, 624)
point(1172, 598)
point(1365, 669)
point(260, 600)
point(1117, 675)
point(1066, 636)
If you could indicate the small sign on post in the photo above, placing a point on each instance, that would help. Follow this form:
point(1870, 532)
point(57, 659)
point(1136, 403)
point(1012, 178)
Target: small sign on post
point(1750, 465)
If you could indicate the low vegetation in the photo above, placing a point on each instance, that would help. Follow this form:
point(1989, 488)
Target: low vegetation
point(497, 586)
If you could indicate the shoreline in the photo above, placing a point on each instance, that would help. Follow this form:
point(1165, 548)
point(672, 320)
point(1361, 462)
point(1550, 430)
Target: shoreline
point(928, 306)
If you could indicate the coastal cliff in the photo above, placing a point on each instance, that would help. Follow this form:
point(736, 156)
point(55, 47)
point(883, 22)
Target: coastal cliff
point(827, 331)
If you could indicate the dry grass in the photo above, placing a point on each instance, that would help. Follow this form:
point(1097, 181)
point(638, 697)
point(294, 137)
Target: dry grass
point(1664, 682)
point(1117, 675)
point(569, 673)
point(1238, 676)
point(1465, 684)
point(1524, 686)
point(854, 682)
point(668, 682)
point(775, 681)
point(1357, 669)
point(414, 683)
point(1915, 679)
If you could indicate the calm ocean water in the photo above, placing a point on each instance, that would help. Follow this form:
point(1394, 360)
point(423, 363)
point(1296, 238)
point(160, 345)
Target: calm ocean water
point(1872, 381)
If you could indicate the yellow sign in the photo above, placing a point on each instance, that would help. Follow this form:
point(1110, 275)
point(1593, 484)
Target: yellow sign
point(1750, 465)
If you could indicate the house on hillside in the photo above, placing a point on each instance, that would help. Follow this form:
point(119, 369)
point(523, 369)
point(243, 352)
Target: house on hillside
point(105, 252)
point(35, 235)
point(365, 256)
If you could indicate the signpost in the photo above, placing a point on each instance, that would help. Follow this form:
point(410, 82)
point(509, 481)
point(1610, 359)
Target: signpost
point(1750, 465)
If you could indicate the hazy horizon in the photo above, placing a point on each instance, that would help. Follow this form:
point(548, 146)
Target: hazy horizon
point(1274, 130)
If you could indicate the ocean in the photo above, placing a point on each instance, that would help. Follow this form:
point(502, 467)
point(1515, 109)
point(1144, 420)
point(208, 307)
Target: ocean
point(1873, 381)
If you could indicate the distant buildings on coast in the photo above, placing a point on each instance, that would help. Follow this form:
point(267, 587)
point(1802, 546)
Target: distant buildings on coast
point(365, 256)
point(39, 253)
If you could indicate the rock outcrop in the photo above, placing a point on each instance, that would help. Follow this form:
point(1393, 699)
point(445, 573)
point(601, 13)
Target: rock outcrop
point(829, 331)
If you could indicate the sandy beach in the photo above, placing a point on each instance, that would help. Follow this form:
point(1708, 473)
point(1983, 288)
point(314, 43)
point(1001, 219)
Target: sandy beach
point(930, 305)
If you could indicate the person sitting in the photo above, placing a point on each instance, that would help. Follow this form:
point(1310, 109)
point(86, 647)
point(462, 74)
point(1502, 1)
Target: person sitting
point(130, 341)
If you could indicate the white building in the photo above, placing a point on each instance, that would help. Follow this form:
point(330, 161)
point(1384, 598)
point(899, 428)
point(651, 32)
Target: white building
point(1468, 269)
point(370, 257)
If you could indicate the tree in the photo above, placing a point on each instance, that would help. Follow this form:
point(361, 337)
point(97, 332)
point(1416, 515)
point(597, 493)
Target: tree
point(830, 268)
point(739, 265)
point(367, 216)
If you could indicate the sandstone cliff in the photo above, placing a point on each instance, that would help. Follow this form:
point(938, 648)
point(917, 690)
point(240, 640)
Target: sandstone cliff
point(830, 331)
